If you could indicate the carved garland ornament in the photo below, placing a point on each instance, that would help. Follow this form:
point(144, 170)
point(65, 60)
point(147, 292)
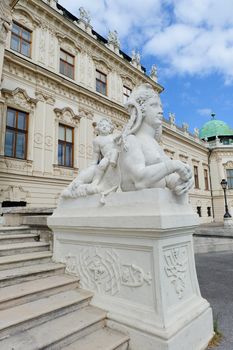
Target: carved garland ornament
point(102, 270)
point(67, 116)
point(19, 98)
point(176, 261)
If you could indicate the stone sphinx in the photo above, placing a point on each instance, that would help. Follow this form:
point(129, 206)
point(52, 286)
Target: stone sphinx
point(135, 253)
point(133, 160)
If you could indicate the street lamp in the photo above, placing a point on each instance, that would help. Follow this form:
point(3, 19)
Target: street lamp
point(224, 187)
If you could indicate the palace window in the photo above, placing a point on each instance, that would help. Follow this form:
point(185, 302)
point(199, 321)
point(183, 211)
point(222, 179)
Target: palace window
point(66, 64)
point(209, 211)
point(65, 145)
point(21, 39)
point(230, 178)
point(206, 179)
point(16, 134)
point(126, 93)
point(196, 179)
point(101, 82)
point(199, 211)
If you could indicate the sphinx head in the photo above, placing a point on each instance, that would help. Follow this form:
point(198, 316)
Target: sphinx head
point(144, 105)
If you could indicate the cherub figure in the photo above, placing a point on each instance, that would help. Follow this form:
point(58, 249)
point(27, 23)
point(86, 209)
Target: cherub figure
point(105, 155)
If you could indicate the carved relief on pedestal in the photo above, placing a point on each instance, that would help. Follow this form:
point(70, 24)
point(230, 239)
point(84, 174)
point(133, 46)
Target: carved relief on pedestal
point(19, 98)
point(101, 270)
point(176, 264)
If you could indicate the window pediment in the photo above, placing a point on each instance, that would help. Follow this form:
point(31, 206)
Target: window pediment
point(25, 18)
point(101, 66)
point(67, 116)
point(19, 98)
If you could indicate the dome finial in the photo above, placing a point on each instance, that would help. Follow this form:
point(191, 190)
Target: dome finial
point(213, 115)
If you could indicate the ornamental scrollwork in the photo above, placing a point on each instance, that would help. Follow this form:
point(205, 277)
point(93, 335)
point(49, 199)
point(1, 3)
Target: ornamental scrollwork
point(101, 270)
point(176, 262)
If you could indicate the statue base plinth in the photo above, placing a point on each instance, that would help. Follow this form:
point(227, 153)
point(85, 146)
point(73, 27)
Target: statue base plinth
point(136, 254)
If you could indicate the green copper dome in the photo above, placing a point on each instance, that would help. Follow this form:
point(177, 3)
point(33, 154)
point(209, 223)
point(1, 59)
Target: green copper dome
point(215, 127)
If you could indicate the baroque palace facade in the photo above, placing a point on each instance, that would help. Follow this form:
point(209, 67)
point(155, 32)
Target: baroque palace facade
point(58, 76)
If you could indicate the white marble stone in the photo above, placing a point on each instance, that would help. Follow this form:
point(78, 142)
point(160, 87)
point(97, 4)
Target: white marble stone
point(136, 254)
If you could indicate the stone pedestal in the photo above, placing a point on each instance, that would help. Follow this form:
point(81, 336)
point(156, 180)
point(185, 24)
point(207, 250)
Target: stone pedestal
point(136, 254)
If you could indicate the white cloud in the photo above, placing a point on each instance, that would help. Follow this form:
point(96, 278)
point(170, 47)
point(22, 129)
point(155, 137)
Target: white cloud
point(194, 37)
point(204, 111)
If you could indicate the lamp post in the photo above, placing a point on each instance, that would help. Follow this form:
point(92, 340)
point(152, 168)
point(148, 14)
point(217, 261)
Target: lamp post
point(224, 187)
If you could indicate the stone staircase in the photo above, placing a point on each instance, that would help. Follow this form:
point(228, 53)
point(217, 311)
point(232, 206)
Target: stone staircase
point(41, 307)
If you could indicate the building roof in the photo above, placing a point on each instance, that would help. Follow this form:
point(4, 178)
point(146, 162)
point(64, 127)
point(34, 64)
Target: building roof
point(215, 127)
point(68, 15)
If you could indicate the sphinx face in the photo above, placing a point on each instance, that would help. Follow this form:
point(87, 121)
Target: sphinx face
point(154, 113)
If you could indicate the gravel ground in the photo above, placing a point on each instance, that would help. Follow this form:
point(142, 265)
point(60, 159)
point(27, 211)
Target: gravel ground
point(215, 275)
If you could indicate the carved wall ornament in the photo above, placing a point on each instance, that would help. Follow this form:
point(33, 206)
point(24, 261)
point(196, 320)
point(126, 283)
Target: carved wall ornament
point(68, 44)
point(48, 141)
point(26, 18)
point(127, 81)
point(67, 116)
point(71, 264)
point(19, 98)
point(101, 65)
point(86, 113)
point(14, 193)
point(228, 165)
point(38, 138)
point(176, 264)
point(101, 270)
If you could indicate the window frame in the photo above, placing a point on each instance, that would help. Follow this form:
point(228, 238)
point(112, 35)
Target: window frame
point(17, 131)
point(206, 179)
point(229, 179)
point(21, 39)
point(125, 96)
point(67, 63)
point(199, 213)
point(64, 142)
point(106, 82)
point(196, 177)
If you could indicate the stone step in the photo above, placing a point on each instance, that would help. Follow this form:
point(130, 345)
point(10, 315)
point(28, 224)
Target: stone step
point(28, 273)
point(18, 260)
point(57, 333)
point(22, 317)
point(24, 292)
point(102, 339)
point(15, 238)
point(21, 248)
point(14, 230)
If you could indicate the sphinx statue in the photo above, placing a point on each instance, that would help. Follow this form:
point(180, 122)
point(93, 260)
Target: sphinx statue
point(142, 162)
point(132, 160)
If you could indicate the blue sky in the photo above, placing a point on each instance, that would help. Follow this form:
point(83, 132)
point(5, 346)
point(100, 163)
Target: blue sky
point(190, 41)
